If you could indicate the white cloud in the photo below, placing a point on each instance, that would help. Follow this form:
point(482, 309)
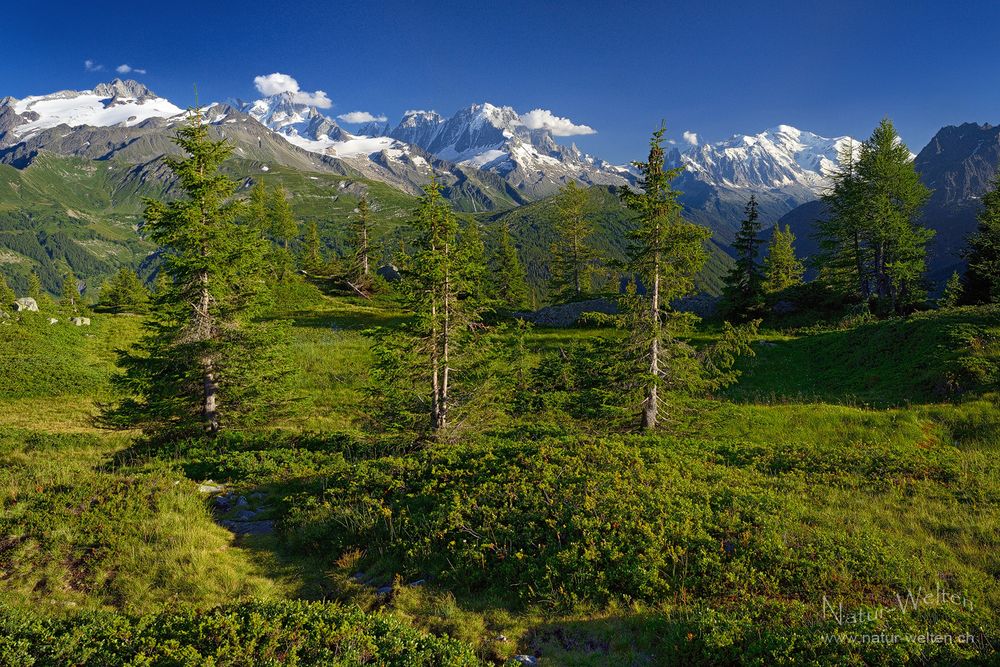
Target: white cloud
point(538, 119)
point(361, 117)
point(128, 69)
point(274, 84)
point(91, 66)
point(690, 137)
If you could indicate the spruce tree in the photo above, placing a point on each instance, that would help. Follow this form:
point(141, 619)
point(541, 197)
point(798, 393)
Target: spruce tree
point(312, 253)
point(203, 363)
point(509, 283)
point(876, 202)
point(782, 269)
point(572, 254)
point(743, 295)
point(667, 255)
point(982, 277)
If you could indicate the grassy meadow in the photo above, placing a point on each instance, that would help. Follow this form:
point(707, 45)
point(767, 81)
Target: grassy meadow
point(839, 505)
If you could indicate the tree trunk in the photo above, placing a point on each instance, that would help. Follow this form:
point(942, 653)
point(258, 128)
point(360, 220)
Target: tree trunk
point(210, 384)
point(443, 422)
point(651, 406)
point(364, 251)
point(435, 391)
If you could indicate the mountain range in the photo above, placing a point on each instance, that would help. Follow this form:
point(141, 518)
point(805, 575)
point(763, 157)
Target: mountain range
point(485, 157)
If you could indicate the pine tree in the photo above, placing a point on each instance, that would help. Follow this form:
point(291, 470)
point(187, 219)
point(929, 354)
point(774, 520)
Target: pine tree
point(7, 295)
point(509, 283)
point(203, 364)
point(125, 293)
point(743, 295)
point(668, 254)
point(572, 255)
point(952, 292)
point(875, 204)
point(70, 290)
point(312, 254)
point(782, 269)
point(982, 277)
point(842, 257)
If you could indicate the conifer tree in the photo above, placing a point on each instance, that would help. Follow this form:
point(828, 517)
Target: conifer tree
point(203, 364)
point(572, 254)
point(982, 278)
point(283, 228)
point(70, 290)
point(509, 281)
point(125, 293)
point(7, 295)
point(743, 294)
point(35, 289)
point(782, 269)
point(437, 277)
point(312, 254)
point(667, 255)
point(875, 207)
point(37, 292)
point(362, 240)
point(952, 291)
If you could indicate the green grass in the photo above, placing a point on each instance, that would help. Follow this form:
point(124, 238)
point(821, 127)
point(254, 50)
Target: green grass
point(713, 542)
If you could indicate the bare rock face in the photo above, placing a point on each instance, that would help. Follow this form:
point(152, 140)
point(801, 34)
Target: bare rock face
point(26, 304)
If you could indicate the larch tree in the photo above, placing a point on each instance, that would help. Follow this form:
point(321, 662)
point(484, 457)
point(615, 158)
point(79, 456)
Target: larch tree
point(982, 278)
point(438, 274)
point(668, 253)
point(782, 269)
point(203, 364)
point(743, 294)
point(70, 291)
point(572, 254)
point(509, 283)
point(362, 228)
point(7, 295)
point(283, 228)
point(875, 225)
point(124, 293)
point(312, 251)
point(952, 294)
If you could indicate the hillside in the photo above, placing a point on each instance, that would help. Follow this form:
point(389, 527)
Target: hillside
point(533, 226)
point(550, 534)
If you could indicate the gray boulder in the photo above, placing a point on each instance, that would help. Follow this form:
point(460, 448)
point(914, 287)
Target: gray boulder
point(568, 314)
point(25, 304)
point(80, 321)
point(389, 272)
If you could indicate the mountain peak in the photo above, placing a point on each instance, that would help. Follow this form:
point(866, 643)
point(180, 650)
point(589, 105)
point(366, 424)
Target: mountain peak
point(127, 89)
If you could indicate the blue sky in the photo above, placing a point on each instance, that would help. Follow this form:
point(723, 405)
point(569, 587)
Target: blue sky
point(711, 68)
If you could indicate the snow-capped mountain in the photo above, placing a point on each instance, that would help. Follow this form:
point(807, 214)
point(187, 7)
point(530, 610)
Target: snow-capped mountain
point(784, 167)
point(118, 103)
point(775, 158)
point(494, 139)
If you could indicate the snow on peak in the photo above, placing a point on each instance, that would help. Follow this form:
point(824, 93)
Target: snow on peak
point(778, 157)
point(116, 103)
